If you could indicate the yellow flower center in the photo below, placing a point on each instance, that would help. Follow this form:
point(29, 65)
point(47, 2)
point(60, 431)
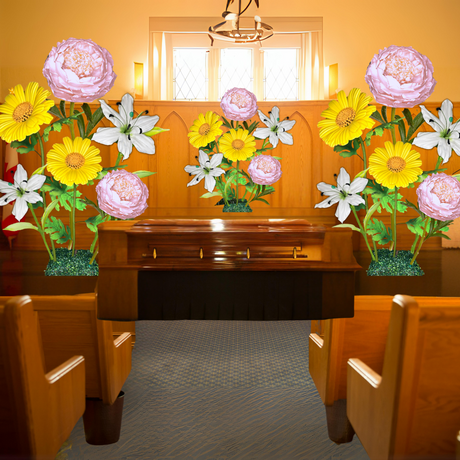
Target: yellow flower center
point(75, 160)
point(204, 129)
point(79, 62)
point(240, 100)
point(345, 117)
point(401, 69)
point(237, 144)
point(396, 164)
point(22, 112)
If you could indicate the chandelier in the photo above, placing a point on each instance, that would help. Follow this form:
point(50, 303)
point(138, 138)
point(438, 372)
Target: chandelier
point(238, 29)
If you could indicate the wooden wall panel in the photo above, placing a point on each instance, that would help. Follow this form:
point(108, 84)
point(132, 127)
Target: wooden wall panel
point(304, 164)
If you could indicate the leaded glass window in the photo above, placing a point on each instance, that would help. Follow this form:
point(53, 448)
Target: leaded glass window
point(190, 77)
point(281, 74)
point(235, 69)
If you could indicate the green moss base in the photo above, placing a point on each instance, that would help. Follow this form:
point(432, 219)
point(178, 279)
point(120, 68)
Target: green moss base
point(66, 265)
point(388, 265)
point(233, 207)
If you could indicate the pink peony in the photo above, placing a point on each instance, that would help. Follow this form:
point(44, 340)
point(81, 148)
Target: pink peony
point(264, 170)
point(439, 197)
point(399, 76)
point(239, 104)
point(122, 194)
point(79, 70)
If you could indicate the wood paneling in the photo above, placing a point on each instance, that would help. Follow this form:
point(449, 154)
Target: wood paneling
point(304, 164)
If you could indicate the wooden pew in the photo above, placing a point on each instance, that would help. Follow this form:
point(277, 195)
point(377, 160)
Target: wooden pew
point(332, 342)
point(38, 410)
point(412, 408)
point(69, 326)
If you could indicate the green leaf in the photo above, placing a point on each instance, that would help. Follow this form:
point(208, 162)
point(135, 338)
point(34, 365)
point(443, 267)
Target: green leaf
point(346, 154)
point(55, 111)
point(384, 113)
point(94, 221)
point(245, 124)
point(441, 235)
point(379, 233)
point(62, 107)
point(81, 127)
point(353, 227)
point(39, 170)
point(277, 158)
point(98, 115)
point(362, 173)
point(351, 147)
point(384, 196)
point(211, 194)
point(57, 230)
point(416, 225)
point(27, 145)
point(20, 226)
point(369, 213)
point(376, 116)
point(402, 128)
point(408, 116)
point(416, 123)
point(47, 212)
point(104, 171)
point(142, 174)
point(267, 190)
point(86, 108)
point(261, 199)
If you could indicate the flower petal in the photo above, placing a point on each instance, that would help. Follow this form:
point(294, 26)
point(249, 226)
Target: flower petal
point(431, 119)
point(126, 107)
point(427, 140)
point(275, 115)
point(216, 160)
point(265, 120)
point(35, 182)
point(125, 146)
point(262, 133)
point(203, 159)
point(20, 208)
point(343, 178)
point(111, 115)
point(343, 210)
point(106, 136)
point(209, 182)
point(358, 185)
point(146, 123)
point(20, 176)
point(285, 138)
point(196, 179)
point(444, 150)
point(143, 144)
point(193, 169)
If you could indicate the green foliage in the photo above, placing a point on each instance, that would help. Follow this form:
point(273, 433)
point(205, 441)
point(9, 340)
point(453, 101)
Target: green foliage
point(55, 111)
point(20, 226)
point(385, 197)
point(57, 230)
point(349, 149)
point(27, 145)
point(416, 225)
point(97, 116)
point(63, 193)
point(211, 194)
point(353, 227)
point(401, 127)
point(94, 221)
point(376, 116)
point(379, 233)
point(57, 125)
point(62, 107)
point(142, 174)
point(416, 123)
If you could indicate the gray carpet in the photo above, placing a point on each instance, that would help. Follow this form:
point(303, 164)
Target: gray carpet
point(219, 390)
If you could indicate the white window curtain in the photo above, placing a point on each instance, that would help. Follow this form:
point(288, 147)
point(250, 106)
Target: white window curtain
point(311, 68)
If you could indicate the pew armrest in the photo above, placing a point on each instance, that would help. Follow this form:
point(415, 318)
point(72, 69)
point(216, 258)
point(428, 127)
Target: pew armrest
point(365, 373)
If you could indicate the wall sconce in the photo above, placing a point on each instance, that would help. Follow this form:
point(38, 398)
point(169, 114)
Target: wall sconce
point(332, 73)
point(138, 80)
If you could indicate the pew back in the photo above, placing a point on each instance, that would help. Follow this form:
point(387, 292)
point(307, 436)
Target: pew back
point(37, 411)
point(413, 408)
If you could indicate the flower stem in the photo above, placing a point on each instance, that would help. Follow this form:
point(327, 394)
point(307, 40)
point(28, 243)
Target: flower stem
point(438, 162)
point(94, 255)
point(414, 244)
point(393, 130)
point(72, 131)
point(363, 148)
point(393, 221)
point(421, 242)
point(41, 232)
point(362, 231)
point(93, 244)
point(42, 149)
point(72, 219)
point(237, 178)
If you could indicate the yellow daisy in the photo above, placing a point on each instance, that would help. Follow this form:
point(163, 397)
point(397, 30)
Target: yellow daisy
point(205, 129)
point(24, 112)
point(237, 145)
point(346, 118)
point(395, 165)
point(74, 162)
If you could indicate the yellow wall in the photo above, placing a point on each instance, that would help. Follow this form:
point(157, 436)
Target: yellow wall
point(353, 32)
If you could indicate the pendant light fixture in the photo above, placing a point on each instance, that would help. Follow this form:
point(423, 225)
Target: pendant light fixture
point(239, 29)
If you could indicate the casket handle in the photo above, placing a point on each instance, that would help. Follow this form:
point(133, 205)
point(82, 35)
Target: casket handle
point(294, 253)
point(201, 253)
point(248, 254)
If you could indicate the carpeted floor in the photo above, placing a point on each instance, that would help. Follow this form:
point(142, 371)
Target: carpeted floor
point(219, 390)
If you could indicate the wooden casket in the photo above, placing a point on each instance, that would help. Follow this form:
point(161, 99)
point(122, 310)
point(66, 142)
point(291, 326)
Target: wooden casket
point(224, 269)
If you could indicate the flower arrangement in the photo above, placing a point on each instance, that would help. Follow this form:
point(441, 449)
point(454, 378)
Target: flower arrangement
point(398, 77)
point(219, 151)
point(76, 71)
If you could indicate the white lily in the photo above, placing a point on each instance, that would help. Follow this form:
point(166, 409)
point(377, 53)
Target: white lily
point(345, 194)
point(447, 134)
point(276, 129)
point(22, 190)
point(127, 131)
point(208, 169)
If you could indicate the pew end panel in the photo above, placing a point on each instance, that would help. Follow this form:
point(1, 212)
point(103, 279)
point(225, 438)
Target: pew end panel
point(37, 411)
point(411, 409)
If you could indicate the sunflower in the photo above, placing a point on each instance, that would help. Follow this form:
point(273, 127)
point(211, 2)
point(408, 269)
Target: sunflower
point(237, 145)
point(395, 165)
point(24, 112)
point(74, 162)
point(205, 129)
point(346, 118)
